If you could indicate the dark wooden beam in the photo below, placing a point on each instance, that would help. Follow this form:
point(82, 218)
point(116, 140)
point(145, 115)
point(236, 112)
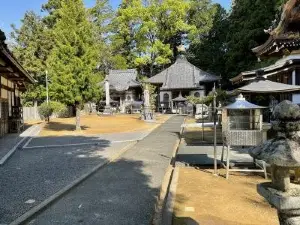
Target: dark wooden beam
point(6, 69)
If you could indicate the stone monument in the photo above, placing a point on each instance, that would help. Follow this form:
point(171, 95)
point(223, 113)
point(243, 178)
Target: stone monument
point(107, 108)
point(147, 113)
point(283, 155)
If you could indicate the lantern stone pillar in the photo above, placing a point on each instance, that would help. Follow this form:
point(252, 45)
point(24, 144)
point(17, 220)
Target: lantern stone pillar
point(107, 109)
point(147, 114)
point(283, 155)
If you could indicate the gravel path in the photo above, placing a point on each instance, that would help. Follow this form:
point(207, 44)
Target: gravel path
point(125, 191)
point(32, 175)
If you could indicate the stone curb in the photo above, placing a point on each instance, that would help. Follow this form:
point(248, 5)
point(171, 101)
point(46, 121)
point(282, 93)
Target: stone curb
point(161, 203)
point(169, 208)
point(43, 205)
point(35, 129)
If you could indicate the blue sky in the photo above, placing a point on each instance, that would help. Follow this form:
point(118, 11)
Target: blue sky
point(12, 11)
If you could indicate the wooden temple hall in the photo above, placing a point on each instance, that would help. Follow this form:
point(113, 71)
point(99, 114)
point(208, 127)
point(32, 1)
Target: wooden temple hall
point(180, 80)
point(284, 45)
point(13, 78)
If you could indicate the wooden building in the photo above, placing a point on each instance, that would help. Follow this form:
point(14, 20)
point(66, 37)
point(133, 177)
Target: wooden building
point(283, 43)
point(180, 80)
point(124, 88)
point(13, 78)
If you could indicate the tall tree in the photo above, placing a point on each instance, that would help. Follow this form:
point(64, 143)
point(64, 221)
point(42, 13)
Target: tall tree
point(73, 61)
point(125, 27)
point(152, 52)
point(247, 22)
point(31, 49)
point(208, 51)
point(101, 15)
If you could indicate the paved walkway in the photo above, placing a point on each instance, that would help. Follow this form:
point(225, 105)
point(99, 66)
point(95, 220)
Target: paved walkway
point(125, 191)
point(203, 154)
point(77, 139)
point(9, 141)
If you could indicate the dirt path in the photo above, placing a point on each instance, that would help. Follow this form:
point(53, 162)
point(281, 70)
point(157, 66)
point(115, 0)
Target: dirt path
point(202, 198)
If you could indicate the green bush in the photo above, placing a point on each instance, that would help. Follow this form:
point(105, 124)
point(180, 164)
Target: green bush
point(46, 110)
point(58, 108)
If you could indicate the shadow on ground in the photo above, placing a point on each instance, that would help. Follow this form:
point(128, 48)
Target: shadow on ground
point(121, 193)
point(58, 126)
point(35, 174)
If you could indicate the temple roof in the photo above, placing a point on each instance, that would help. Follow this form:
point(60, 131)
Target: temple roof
point(182, 75)
point(122, 80)
point(241, 103)
point(267, 86)
point(180, 98)
point(280, 65)
point(10, 67)
point(284, 36)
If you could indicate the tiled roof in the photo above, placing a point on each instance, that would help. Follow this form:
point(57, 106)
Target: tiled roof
point(182, 75)
point(11, 61)
point(267, 86)
point(122, 80)
point(281, 64)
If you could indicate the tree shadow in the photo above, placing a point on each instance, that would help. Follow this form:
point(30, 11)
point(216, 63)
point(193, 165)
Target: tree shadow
point(40, 172)
point(124, 192)
point(58, 126)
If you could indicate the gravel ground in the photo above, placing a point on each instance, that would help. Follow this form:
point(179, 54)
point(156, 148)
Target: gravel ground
point(34, 174)
point(125, 191)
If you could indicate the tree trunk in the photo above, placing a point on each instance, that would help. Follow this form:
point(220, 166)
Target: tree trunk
point(78, 117)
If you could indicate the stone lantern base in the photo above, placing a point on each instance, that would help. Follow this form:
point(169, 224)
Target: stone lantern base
point(147, 114)
point(107, 110)
point(286, 203)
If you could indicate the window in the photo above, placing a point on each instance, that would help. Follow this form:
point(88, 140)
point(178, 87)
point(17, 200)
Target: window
point(197, 94)
point(128, 98)
point(166, 97)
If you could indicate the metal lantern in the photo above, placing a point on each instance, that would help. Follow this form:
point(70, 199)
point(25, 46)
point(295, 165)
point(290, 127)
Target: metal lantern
point(242, 126)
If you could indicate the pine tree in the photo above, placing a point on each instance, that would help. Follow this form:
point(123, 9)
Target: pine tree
point(208, 52)
point(73, 61)
point(247, 22)
point(31, 48)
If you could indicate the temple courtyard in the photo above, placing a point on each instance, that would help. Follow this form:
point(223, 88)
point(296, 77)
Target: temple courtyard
point(112, 174)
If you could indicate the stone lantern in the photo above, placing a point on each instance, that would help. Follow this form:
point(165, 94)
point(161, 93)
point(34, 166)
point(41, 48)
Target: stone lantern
point(283, 155)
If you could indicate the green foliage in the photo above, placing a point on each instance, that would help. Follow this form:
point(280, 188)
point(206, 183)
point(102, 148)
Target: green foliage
point(45, 110)
point(221, 97)
point(208, 53)
point(73, 61)
point(31, 49)
point(147, 33)
point(152, 92)
point(247, 22)
point(58, 108)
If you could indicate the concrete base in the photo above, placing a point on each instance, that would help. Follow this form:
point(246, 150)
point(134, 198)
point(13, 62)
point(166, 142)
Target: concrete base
point(107, 110)
point(286, 203)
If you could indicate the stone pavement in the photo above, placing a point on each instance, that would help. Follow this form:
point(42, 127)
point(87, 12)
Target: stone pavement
point(203, 154)
point(123, 192)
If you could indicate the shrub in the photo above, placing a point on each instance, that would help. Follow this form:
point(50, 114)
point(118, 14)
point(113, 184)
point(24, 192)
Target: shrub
point(46, 110)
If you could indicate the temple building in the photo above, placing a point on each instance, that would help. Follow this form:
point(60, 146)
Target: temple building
point(13, 78)
point(124, 88)
point(283, 43)
point(180, 80)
